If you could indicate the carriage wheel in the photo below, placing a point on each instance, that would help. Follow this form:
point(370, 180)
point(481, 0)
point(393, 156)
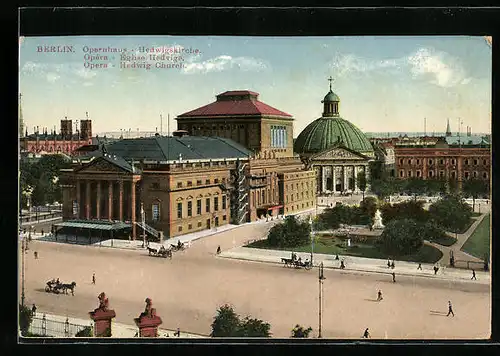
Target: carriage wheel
point(47, 289)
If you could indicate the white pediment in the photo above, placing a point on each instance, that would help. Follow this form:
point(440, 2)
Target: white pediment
point(337, 153)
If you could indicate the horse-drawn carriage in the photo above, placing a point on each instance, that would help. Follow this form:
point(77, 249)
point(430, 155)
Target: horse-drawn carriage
point(180, 246)
point(57, 287)
point(160, 252)
point(296, 263)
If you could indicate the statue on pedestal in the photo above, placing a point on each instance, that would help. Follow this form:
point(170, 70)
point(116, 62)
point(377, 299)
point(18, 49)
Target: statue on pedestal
point(103, 302)
point(149, 311)
point(377, 220)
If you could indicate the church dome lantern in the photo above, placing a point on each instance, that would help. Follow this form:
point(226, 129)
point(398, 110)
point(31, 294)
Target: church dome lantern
point(330, 130)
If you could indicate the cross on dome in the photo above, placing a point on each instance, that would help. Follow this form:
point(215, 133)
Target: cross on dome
point(330, 80)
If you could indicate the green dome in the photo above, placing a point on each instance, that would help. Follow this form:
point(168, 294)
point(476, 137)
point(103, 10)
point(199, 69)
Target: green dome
point(331, 96)
point(325, 132)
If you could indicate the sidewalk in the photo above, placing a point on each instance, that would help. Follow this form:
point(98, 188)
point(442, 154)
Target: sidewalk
point(358, 264)
point(118, 330)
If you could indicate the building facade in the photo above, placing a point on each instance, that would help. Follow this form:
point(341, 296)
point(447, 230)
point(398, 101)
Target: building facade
point(444, 161)
point(65, 141)
point(191, 182)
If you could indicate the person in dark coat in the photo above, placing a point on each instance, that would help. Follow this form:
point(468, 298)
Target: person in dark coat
point(473, 275)
point(93, 278)
point(419, 266)
point(379, 296)
point(450, 309)
point(388, 263)
point(394, 277)
point(366, 334)
point(393, 265)
point(436, 269)
point(36, 255)
point(33, 309)
point(218, 249)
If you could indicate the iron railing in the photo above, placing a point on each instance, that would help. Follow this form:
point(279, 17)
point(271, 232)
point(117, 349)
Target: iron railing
point(43, 326)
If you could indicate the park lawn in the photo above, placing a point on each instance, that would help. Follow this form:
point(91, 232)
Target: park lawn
point(427, 254)
point(445, 240)
point(467, 227)
point(478, 244)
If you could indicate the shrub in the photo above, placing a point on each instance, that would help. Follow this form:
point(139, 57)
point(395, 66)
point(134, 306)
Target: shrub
point(85, 332)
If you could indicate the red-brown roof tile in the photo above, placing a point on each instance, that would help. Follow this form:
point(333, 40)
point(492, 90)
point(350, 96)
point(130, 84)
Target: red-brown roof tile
point(244, 106)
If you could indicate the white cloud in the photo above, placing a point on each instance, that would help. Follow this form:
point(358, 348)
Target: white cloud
point(225, 62)
point(52, 77)
point(444, 70)
point(85, 73)
point(441, 68)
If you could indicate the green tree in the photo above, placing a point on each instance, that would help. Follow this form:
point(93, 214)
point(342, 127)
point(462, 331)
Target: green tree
point(383, 188)
point(250, 327)
point(299, 331)
point(85, 332)
point(369, 206)
point(25, 319)
point(451, 213)
point(290, 233)
point(416, 187)
point(361, 178)
point(474, 188)
point(401, 238)
point(226, 322)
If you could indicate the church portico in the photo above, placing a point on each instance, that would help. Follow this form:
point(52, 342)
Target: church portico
point(335, 148)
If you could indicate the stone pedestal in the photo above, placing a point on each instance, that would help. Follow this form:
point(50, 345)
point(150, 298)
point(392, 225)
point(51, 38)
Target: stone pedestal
point(148, 321)
point(148, 326)
point(102, 322)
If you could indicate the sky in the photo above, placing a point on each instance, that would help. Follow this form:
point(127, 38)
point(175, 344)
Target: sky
point(385, 83)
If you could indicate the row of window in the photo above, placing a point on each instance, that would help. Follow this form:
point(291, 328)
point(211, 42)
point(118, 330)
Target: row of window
point(278, 136)
point(441, 161)
point(289, 198)
point(199, 207)
point(214, 127)
point(296, 207)
point(216, 223)
point(200, 182)
point(290, 186)
point(431, 174)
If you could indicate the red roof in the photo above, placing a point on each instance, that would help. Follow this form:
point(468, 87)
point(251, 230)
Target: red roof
point(238, 106)
point(238, 92)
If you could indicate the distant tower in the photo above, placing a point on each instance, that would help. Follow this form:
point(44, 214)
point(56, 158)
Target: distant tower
point(86, 128)
point(66, 128)
point(21, 121)
point(448, 130)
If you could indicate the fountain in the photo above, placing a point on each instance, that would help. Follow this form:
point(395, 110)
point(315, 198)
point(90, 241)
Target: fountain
point(377, 220)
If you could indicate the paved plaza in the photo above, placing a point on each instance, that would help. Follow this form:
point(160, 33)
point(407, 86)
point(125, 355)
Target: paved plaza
point(187, 290)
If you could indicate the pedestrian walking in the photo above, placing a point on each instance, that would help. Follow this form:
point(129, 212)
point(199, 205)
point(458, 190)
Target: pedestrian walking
point(36, 255)
point(218, 249)
point(42, 232)
point(388, 263)
point(33, 310)
point(178, 333)
point(394, 277)
point(473, 275)
point(366, 334)
point(379, 297)
point(342, 265)
point(419, 266)
point(393, 265)
point(450, 309)
point(93, 278)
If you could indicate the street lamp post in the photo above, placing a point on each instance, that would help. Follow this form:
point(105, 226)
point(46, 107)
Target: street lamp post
point(23, 238)
point(143, 226)
point(312, 239)
point(321, 278)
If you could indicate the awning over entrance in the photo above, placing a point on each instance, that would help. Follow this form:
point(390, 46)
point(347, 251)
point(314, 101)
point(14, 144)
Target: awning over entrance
point(94, 225)
point(274, 207)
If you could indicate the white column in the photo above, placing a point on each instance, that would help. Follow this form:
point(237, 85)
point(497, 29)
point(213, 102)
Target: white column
point(355, 178)
point(344, 177)
point(333, 178)
point(323, 179)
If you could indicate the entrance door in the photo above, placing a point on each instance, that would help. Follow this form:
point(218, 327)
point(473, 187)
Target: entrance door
point(208, 223)
point(216, 221)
